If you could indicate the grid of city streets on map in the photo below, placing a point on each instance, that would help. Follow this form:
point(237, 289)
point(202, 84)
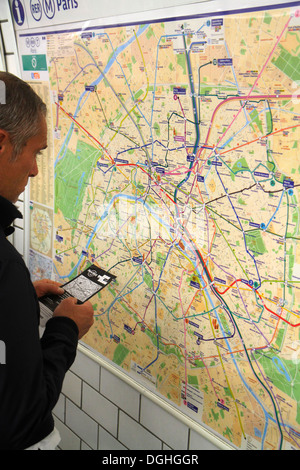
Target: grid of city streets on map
point(176, 168)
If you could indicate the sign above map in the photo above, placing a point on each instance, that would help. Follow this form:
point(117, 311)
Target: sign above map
point(175, 167)
point(40, 13)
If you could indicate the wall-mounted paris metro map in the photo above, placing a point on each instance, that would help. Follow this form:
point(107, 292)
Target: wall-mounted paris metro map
point(176, 168)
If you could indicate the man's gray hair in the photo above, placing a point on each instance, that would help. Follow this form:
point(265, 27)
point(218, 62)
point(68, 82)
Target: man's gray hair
point(21, 111)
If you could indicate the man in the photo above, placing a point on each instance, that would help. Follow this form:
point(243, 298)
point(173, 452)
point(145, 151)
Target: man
point(31, 377)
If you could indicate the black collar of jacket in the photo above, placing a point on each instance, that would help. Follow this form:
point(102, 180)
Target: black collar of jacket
point(8, 213)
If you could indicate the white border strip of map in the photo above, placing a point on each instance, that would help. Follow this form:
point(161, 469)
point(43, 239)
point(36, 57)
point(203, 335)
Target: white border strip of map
point(152, 14)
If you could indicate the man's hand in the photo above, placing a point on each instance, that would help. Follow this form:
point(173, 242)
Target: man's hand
point(81, 314)
point(46, 286)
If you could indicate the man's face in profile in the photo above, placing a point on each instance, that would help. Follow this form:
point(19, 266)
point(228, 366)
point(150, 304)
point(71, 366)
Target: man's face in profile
point(14, 173)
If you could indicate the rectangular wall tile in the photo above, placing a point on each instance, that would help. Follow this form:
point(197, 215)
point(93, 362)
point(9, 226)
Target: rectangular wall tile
point(198, 442)
point(81, 424)
point(72, 387)
point(164, 425)
point(134, 436)
point(120, 393)
point(108, 442)
point(100, 409)
point(69, 440)
point(87, 369)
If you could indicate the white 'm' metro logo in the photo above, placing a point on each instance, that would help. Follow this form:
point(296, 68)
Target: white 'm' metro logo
point(2, 353)
point(49, 8)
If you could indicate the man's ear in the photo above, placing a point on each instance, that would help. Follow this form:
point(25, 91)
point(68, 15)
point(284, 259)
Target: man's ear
point(4, 140)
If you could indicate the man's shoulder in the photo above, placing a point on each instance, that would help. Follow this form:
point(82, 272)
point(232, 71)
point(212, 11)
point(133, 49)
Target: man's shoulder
point(11, 260)
point(7, 250)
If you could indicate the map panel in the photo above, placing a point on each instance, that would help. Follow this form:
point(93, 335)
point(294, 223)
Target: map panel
point(41, 233)
point(176, 168)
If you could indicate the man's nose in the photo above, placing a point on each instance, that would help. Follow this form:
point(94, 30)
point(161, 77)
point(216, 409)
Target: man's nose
point(34, 170)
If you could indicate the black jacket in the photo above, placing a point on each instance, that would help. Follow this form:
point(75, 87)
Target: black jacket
point(32, 373)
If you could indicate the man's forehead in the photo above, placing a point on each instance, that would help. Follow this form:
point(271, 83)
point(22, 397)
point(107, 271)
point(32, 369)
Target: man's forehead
point(41, 138)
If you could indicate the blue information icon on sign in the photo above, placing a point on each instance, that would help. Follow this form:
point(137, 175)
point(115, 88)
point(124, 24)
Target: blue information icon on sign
point(18, 12)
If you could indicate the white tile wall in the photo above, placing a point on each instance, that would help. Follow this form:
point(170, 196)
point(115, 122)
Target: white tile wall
point(98, 410)
point(124, 396)
point(165, 426)
point(81, 424)
point(134, 436)
point(108, 442)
